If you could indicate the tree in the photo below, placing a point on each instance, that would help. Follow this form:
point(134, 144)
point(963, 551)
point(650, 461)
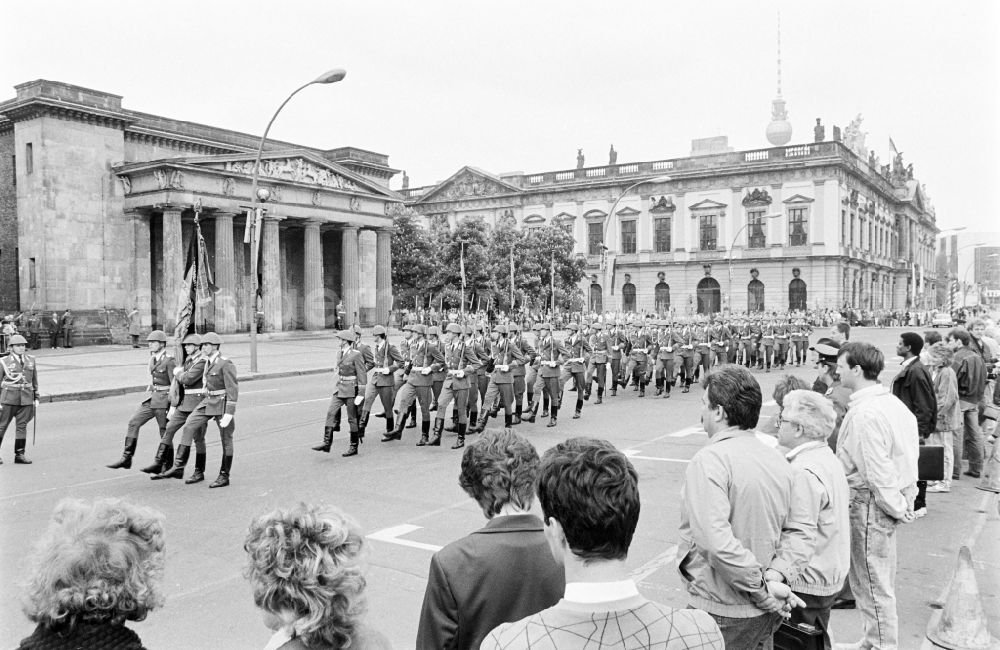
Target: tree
point(552, 245)
point(413, 257)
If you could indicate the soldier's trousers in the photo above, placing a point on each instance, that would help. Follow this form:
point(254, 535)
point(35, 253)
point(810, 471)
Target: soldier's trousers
point(630, 372)
point(461, 398)
point(800, 351)
point(539, 387)
point(23, 414)
point(703, 359)
point(519, 386)
point(781, 352)
point(530, 379)
point(601, 372)
point(687, 369)
point(436, 390)
point(722, 356)
point(551, 387)
point(504, 391)
point(384, 393)
point(616, 373)
point(483, 381)
point(333, 413)
point(664, 370)
point(198, 421)
point(143, 415)
point(175, 424)
point(405, 397)
point(578, 382)
point(766, 354)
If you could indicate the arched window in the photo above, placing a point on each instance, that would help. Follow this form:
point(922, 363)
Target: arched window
point(628, 297)
point(596, 298)
point(709, 296)
point(797, 295)
point(755, 296)
point(662, 298)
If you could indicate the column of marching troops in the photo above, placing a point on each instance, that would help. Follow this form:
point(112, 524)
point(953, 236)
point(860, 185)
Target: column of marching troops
point(475, 368)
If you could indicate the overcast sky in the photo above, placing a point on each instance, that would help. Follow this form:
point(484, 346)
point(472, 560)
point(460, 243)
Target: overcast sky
point(521, 85)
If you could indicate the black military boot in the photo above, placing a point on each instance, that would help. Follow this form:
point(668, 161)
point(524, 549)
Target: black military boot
point(223, 478)
point(453, 427)
point(177, 471)
point(659, 386)
point(159, 464)
point(199, 469)
point(532, 412)
point(552, 420)
point(436, 438)
point(362, 425)
point(413, 417)
point(425, 430)
point(126, 460)
point(667, 385)
point(600, 395)
point(517, 414)
point(507, 421)
point(579, 409)
point(390, 423)
point(545, 406)
point(460, 440)
point(687, 386)
point(352, 450)
point(586, 392)
point(336, 421)
point(642, 388)
point(396, 433)
point(327, 440)
point(21, 459)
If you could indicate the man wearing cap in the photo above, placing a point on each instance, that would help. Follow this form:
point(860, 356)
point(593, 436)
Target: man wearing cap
point(781, 342)
point(721, 337)
point(187, 390)
point(573, 370)
point(440, 373)
point(637, 371)
point(18, 394)
point(520, 371)
point(367, 357)
point(423, 357)
point(387, 360)
point(600, 345)
point(218, 403)
point(664, 367)
point(157, 400)
point(551, 353)
point(351, 374)
point(504, 356)
point(461, 362)
point(617, 341)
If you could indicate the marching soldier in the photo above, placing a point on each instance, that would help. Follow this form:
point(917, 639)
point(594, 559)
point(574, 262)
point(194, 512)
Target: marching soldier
point(684, 340)
point(460, 363)
point(18, 394)
point(767, 344)
point(780, 343)
point(351, 374)
point(218, 403)
point(369, 361)
point(157, 401)
point(799, 333)
point(387, 360)
point(579, 352)
point(703, 348)
point(551, 353)
point(756, 337)
point(637, 371)
point(419, 384)
point(600, 345)
point(520, 370)
point(721, 336)
point(532, 380)
point(440, 373)
point(664, 366)
point(187, 392)
point(504, 357)
point(617, 341)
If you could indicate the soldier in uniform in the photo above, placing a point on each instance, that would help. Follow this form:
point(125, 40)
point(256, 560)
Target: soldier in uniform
point(482, 377)
point(767, 344)
point(799, 334)
point(686, 340)
point(551, 353)
point(721, 337)
point(638, 369)
point(617, 342)
point(67, 328)
point(187, 391)
point(387, 360)
point(520, 370)
point(352, 374)
point(504, 357)
point(424, 357)
point(35, 330)
point(702, 348)
point(780, 343)
point(600, 346)
point(157, 400)
point(575, 365)
point(366, 357)
point(18, 394)
point(461, 362)
point(756, 337)
point(664, 367)
point(218, 403)
point(440, 373)
point(531, 376)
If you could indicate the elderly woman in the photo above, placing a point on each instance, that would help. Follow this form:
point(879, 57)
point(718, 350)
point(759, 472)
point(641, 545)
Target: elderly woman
point(948, 430)
point(785, 385)
point(807, 420)
point(305, 568)
point(98, 565)
point(471, 588)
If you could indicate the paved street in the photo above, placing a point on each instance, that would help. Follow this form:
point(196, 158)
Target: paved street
point(406, 498)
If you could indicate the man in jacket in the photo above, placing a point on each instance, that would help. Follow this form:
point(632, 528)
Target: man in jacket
point(188, 390)
point(18, 394)
point(67, 323)
point(914, 387)
point(970, 372)
point(386, 360)
point(460, 364)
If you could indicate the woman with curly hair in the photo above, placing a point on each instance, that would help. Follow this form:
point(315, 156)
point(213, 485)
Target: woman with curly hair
point(306, 572)
point(98, 565)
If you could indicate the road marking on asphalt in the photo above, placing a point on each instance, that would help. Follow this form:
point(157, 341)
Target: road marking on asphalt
point(660, 561)
point(688, 431)
point(262, 390)
point(634, 453)
point(304, 401)
point(66, 487)
point(392, 535)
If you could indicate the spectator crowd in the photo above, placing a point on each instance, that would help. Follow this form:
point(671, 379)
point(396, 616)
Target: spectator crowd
point(770, 531)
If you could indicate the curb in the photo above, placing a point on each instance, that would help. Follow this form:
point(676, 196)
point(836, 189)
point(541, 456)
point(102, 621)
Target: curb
point(125, 390)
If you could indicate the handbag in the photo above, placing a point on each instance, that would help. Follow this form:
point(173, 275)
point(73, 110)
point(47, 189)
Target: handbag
point(930, 464)
point(798, 637)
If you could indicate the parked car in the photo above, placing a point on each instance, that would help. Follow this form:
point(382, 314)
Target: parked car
point(942, 320)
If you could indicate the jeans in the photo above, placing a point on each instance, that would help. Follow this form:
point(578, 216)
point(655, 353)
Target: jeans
point(873, 570)
point(946, 440)
point(748, 633)
point(973, 437)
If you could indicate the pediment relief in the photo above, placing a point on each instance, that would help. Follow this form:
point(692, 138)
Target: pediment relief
point(707, 205)
point(798, 198)
point(298, 170)
point(564, 216)
point(534, 219)
point(757, 197)
point(594, 215)
point(469, 183)
point(628, 211)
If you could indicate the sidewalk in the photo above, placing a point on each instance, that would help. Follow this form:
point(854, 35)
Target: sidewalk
point(93, 372)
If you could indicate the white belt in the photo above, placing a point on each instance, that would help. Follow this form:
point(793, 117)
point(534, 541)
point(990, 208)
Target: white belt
point(417, 368)
point(215, 393)
point(194, 391)
point(161, 389)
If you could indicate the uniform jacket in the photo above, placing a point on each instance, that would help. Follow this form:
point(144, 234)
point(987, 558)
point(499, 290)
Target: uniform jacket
point(366, 354)
point(639, 347)
point(527, 352)
point(600, 346)
point(578, 348)
point(351, 373)
point(617, 342)
point(424, 355)
point(161, 371)
point(913, 385)
point(687, 341)
point(504, 353)
point(192, 387)
point(34, 324)
point(221, 386)
point(665, 345)
point(460, 355)
point(767, 334)
point(440, 373)
point(18, 380)
point(385, 355)
point(551, 350)
point(483, 350)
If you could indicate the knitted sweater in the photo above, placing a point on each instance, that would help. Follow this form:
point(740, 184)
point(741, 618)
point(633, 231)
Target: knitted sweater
point(83, 637)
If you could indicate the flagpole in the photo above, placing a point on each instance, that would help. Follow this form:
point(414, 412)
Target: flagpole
point(512, 277)
point(552, 281)
point(461, 264)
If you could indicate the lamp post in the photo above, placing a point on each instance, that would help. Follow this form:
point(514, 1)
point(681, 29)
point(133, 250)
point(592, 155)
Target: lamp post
point(259, 197)
point(729, 256)
point(614, 206)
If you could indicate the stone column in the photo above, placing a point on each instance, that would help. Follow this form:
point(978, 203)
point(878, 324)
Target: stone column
point(314, 299)
point(173, 265)
point(351, 278)
point(383, 275)
point(142, 271)
point(271, 274)
point(225, 274)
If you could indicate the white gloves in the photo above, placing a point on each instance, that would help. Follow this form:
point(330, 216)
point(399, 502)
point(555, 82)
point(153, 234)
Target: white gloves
point(178, 371)
point(385, 371)
point(503, 367)
point(425, 371)
point(226, 420)
point(460, 374)
point(358, 400)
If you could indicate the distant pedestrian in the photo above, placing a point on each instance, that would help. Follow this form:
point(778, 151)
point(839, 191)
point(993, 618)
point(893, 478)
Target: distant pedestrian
point(133, 326)
point(54, 330)
point(970, 373)
point(948, 423)
point(67, 327)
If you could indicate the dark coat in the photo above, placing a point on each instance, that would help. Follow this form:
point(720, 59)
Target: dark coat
point(915, 388)
point(498, 574)
point(92, 636)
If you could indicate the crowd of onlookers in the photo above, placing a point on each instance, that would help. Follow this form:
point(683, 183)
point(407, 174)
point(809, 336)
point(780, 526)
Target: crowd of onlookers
point(35, 326)
point(780, 521)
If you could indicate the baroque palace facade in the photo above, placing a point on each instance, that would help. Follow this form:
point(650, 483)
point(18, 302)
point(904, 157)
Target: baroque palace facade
point(98, 205)
point(816, 225)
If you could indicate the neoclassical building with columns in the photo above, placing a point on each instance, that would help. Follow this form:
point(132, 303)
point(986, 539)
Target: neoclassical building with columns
point(98, 207)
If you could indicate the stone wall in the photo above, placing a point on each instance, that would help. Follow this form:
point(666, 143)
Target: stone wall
point(8, 226)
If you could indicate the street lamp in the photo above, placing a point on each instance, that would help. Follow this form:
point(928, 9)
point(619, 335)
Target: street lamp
point(729, 256)
point(260, 196)
point(614, 206)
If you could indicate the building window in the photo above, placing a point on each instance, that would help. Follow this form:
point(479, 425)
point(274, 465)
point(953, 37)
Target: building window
point(662, 228)
point(29, 159)
point(596, 298)
point(662, 298)
point(32, 281)
point(595, 238)
point(628, 237)
point(797, 295)
point(709, 296)
point(798, 234)
point(755, 229)
point(755, 296)
point(628, 297)
point(843, 225)
point(709, 233)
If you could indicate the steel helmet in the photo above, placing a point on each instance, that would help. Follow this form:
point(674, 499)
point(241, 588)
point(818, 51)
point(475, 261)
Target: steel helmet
point(192, 339)
point(157, 335)
point(500, 329)
point(211, 337)
point(419, 329)
point(433, 330)
point(347, 335)
point(454, 328)
point(378, 329)
point(17, 339)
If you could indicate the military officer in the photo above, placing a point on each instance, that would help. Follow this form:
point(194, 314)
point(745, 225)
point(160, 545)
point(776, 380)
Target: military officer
point(504, 357)
point(664, 367)
point(597, 368)
point(157, 400)
point(638, 368)
point(424, 357)
point(617, 340)
point(781, 342)
point(767, 332)
point(575, 365)
point(440, 373)
point(756, 339)
point(520, 371)
point(533, 380)
point(352, 375)
point(551, 353)
point(218, 403)
point(18, 394)
point(387, 360)
point(368, 358)
point(187, 391)
point(721, 336)
point(461, 362)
